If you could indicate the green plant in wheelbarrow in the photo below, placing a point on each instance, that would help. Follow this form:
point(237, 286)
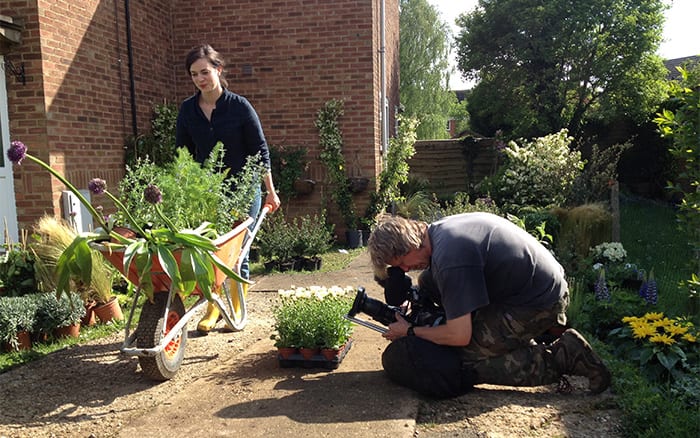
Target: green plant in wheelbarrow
point(144, 247)
point(159, 251)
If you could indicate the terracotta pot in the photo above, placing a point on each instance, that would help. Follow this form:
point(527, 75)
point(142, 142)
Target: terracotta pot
point(69, 331)
point(109, 311)
point(331, 353)
point(286, 352)
point(24, 342)
point(308, 353)
point(89, 319)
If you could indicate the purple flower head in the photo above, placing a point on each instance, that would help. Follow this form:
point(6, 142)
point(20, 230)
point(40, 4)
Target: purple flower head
point(152, 194)
point(601, 288)
point(97, 186)
point(17, 152)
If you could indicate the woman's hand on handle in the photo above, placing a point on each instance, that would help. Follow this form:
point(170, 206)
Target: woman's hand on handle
point(272, 201)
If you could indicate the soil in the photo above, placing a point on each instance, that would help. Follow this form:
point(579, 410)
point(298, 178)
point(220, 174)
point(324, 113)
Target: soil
point(231, 383)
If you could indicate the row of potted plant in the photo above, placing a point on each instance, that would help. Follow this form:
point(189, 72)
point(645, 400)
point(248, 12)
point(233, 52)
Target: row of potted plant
point(294, 244)
point(40, 314)
point(311, 319)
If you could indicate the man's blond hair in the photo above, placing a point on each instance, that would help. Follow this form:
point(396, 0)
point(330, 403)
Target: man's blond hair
point(394, 236)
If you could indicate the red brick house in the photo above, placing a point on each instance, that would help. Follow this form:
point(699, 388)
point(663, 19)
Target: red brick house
point(81, 77)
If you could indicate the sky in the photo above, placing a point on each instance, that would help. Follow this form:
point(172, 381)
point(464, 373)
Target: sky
point(679, 35)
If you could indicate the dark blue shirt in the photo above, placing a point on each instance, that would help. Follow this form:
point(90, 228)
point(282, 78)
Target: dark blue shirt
point(234, 122)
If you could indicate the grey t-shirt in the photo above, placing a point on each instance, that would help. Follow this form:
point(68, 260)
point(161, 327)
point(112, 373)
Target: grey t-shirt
point(481, 258)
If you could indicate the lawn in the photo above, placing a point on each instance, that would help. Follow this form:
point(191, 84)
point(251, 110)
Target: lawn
point(650, 234)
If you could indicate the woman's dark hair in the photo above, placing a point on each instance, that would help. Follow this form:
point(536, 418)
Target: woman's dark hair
point(205, 51)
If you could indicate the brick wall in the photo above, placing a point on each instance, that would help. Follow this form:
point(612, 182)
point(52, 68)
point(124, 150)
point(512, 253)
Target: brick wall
point(453, 165)
point(288, 58)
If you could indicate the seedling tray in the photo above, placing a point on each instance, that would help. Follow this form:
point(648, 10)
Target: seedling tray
point(296, 360)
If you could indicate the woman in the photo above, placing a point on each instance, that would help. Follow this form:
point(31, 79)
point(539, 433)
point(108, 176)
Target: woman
point(216, 114)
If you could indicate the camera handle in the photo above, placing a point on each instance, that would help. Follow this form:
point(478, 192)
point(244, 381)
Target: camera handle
point(369, 325)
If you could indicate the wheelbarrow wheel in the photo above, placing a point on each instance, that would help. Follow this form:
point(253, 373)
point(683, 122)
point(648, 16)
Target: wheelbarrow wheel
point(164, 365)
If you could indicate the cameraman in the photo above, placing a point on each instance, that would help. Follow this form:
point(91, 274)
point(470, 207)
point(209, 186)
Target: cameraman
point(500, 288)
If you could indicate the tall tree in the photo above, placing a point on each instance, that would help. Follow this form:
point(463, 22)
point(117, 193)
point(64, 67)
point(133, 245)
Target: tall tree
point(551, 64)
point(424, 47)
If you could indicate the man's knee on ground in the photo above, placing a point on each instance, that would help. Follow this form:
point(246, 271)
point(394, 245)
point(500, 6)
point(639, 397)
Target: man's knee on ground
point(430, 369)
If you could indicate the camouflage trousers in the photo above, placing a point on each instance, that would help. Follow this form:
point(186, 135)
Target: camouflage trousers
point(502, 350)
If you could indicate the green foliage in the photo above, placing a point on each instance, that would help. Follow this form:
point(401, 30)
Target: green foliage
point(549, 65)
point(610, 257)
point(460, 203)
point(460, 114)
point(314, 235)
point(593, 184)
point(53, 312)
point(192, 193)
point(16, 314)
point(649, 231)
point(17, 273)
point(395, 173)
point(650, 410)
point(331, 143)
point(599, 317)
point(683, 126)
point(313, 317)
point(424, 47)
point(287, 165)
point(537, 173)
point(664, 348)
point(283, 240)
point(159, 144)
point(50, 239)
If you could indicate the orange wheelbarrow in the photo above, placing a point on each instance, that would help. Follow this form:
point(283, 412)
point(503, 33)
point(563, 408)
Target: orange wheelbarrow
point(160, 337)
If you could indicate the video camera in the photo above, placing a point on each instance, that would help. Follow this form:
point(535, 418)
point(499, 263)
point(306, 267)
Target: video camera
point(421, 308)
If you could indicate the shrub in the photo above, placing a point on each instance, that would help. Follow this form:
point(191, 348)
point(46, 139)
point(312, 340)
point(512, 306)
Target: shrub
point(17, 271)
point(537, 173)
point(305, 236)
point(16, 315)
point(314, 235)
point(53, 312)
point(159, 144)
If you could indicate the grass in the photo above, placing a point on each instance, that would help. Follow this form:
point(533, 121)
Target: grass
point(653, 240)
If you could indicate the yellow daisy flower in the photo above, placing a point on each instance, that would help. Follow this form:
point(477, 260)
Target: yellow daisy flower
point(689, 337)
point(662, 339)
point(652, 316)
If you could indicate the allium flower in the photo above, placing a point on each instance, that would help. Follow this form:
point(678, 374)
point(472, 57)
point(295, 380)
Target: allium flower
point(97, 186)
point(17, 152)
point(152, 194)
